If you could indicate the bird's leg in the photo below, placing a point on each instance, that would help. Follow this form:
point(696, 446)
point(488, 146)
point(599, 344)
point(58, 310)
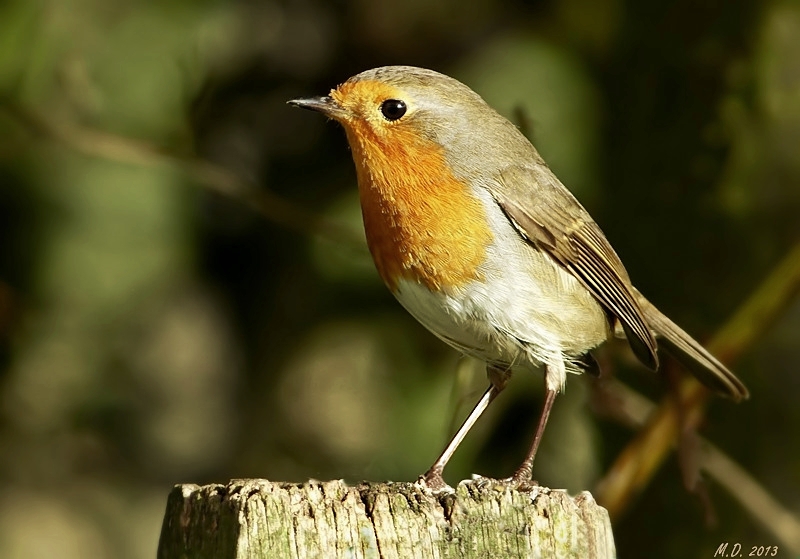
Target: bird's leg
point(523, 475)
point(553, 378)
point(498, 379)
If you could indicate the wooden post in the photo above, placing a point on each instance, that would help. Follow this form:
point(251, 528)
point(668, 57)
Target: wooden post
point(257, 519)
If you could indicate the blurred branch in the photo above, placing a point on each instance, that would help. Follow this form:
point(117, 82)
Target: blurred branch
point(97, 143)
point(753, 498)
point(632, 409)
point(638, 462)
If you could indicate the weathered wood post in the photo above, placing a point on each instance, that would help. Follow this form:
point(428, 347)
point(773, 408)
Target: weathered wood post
point(257, 519)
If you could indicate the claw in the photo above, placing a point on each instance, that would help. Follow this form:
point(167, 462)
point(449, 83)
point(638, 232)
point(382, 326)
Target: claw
point(522, 482)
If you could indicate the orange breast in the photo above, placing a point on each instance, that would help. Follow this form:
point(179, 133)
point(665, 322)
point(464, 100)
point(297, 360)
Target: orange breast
point(422, 224)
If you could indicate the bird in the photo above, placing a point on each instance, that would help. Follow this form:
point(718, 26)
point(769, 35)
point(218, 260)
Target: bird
point(479, 240)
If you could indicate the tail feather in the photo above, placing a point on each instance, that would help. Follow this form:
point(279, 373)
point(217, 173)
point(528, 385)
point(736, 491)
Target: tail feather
point(692, 355)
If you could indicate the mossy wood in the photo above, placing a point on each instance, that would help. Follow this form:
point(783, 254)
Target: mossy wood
point(257, 519)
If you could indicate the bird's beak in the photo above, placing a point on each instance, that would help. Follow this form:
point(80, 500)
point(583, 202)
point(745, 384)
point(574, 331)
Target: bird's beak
point(325, 105)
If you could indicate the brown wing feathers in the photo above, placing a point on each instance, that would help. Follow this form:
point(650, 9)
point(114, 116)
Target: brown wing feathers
point(550, 218)
point(617, 298)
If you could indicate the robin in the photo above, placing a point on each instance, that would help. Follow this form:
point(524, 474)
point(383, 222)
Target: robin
point(477, 238)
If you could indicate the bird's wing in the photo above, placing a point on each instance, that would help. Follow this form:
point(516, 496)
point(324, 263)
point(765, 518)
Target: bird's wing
point(548, 216)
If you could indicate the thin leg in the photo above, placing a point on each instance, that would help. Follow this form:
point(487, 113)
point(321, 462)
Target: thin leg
point(433, 477)
point(523, 475)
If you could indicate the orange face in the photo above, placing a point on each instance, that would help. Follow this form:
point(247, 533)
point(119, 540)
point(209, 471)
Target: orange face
point(422, 223)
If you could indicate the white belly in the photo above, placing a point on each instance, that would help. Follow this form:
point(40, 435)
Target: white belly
point(526, 310)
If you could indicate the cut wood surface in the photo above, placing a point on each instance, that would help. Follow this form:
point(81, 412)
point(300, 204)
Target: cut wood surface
point(257, 519)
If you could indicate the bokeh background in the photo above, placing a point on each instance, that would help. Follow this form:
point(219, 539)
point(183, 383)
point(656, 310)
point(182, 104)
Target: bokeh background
point(185, 295)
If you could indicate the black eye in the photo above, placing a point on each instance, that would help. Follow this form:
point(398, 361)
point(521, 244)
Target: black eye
point(393, 109)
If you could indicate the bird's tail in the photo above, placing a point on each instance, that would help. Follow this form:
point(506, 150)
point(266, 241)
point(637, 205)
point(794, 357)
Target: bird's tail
point(692, 355)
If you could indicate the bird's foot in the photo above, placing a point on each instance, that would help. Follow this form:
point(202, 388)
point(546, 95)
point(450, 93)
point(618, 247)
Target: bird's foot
point(523, 477)
point(514, 482)
point(522, 483)
point(433, 480)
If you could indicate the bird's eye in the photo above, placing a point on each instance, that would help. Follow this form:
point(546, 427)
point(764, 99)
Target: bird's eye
point(393, 109)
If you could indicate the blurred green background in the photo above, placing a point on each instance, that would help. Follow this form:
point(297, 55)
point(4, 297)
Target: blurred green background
point(164, 319)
